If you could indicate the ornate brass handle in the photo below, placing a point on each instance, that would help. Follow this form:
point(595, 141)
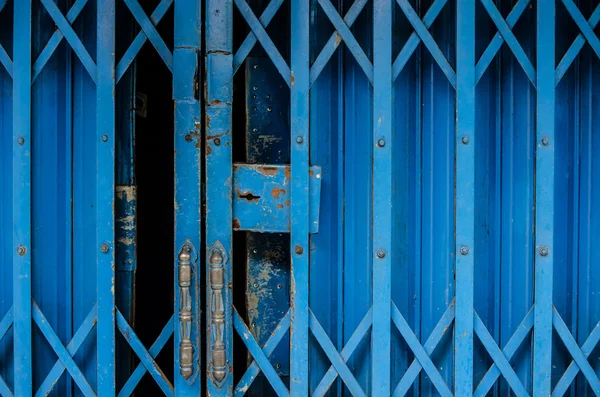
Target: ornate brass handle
point(217, 262)
point(186, 349)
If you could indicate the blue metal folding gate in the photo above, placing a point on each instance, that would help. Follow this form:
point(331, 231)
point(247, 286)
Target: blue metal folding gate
point(404, 190)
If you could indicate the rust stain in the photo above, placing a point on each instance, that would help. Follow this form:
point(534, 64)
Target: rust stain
point(292, 78)
point(287, 203)
point(236, 224)
point(208, 150)
point(338, 39)
point(280, 206)
point(288, 172)
point(268, 171)
point(216, 102)
point(276, 192)
point(311, 172)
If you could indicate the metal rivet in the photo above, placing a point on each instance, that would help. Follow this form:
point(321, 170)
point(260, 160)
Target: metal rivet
point(299, 139)
point(255, 66)
point(21, 140)
point(253, 325)
point(104, 248)
point(277, 366)
point(544, 251)
point(217, 141)
point(104, 138)
point(380, 253)
point(465, 139)
point(381, 142)
point(464, 250)
point(21, 250)
point(298, 249)
point(279, 286)
point(545, 141)
point(255, 88)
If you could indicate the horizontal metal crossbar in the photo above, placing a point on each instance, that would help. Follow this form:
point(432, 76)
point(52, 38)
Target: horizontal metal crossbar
point(74, 41)
point(430, 344)
point(420, 353)
point(510, 39)
point(265, 41)
point(155, 349)
point(145, 357)
point(250, 40)
point(413, 41)
point(363, 327)
point(62, 353)
point(492, 49)
point(509, 350)
point(578, 356)
point(150, 31)
point(334, 42)
point(498, 356)
point(56, 39)
point(140, 39)
point(428, 40)
point(338, 362)
point(259, 355)
point(59, 367)
point(575, 47)
point(253, 370)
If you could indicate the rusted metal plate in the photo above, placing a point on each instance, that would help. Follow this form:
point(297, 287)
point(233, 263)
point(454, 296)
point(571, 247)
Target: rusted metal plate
point(261, 200)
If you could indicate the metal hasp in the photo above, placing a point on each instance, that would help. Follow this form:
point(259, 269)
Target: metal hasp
point(261, 201)
point(186, 349)
point(217, 261)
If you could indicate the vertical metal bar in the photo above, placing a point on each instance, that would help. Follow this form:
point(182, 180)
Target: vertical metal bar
point(21, 202)
point(188, 205)
point(544, 198)
point(382, 197)
point(105, 188)
point(465, 197)
point(299, 244)
point(219, 193)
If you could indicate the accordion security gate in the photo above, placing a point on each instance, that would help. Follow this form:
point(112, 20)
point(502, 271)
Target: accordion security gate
point(372, 197)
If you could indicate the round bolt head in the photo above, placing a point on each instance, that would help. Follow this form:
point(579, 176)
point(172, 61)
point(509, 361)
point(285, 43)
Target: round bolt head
point(299, 139)
point(465, 139)
point(381, 142)
point(298, 249)
point(380, 253)
point(217, 141)
point(104, 138)
point(464, 250)
point(545, 141)
point(544, 251)
point(21, 250)
point(21, 140)
point(104, 248)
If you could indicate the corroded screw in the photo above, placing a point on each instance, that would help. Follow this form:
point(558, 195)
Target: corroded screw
point(298, 249)
point(465, 139)
point(21, 250)
point(217, 141)
point(380, 253)
point(545, 141)
point(464, 250)
point(544, 251)
point(21, 140)
point(104, 248)
point(381, 142)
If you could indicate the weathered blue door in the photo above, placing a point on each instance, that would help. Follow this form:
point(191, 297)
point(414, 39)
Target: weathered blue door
point(371, 197)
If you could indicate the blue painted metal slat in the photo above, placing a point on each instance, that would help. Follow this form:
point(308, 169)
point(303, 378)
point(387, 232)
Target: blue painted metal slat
point(105, 187)
point(382, 198)
point(21, 200)
point(465, 140)
point(544, 198)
